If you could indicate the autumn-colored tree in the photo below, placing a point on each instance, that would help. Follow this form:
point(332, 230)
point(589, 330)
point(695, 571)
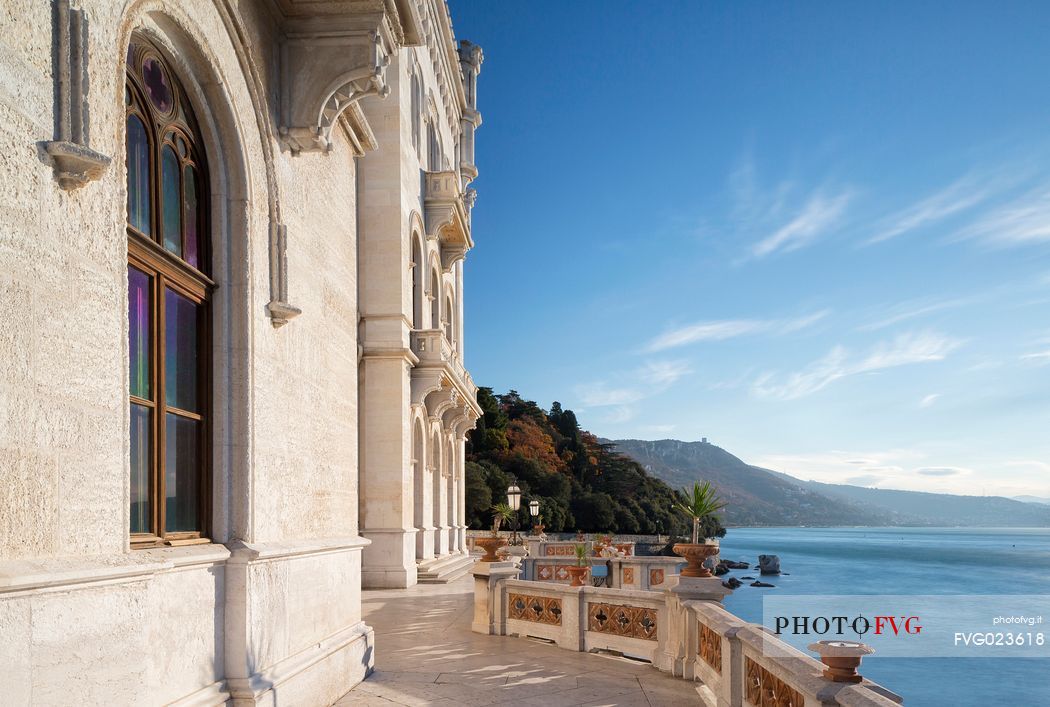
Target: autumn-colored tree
point(579, 481)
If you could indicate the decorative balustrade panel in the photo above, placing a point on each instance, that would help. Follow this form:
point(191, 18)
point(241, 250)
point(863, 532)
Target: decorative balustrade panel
point(541, 610)
point(656, 577)
point(628, 575)
point(559, 551)
point(763, 689)
point(710, 648)
point(622, 620)
point(549, 573)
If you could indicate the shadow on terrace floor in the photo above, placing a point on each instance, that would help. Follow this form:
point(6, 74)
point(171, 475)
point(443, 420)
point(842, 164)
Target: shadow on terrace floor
point(426, 654)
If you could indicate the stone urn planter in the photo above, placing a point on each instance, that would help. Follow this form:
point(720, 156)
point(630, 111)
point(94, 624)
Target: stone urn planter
point(577, 575)
point(842, 659)
point(538, 529)
point(625, 548)
point(695, 554)
point(490, 545)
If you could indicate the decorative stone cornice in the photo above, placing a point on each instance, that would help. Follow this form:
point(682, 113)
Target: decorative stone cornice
point(75, 163)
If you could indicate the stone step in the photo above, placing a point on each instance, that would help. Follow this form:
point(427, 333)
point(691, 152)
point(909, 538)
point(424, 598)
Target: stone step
point(442, 570)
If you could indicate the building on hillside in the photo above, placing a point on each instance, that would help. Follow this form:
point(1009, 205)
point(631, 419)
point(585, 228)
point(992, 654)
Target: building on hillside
point(232, 392)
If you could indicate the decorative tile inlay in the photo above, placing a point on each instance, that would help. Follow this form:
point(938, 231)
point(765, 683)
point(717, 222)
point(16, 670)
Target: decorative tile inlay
point(763, 689)
point(620, 620)
point(559, 551)
point(710, 648)
point(656, 577)
point(628, 575)
point(541, 610)
point(552, 573)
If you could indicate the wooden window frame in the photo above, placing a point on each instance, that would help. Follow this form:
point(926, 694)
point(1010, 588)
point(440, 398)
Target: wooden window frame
point(167, 271)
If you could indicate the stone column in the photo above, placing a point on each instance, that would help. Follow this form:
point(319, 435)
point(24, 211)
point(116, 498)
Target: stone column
point(462, 490)
point(459, 311)
point(439, 505)
point(425, 531)
point(386, 474)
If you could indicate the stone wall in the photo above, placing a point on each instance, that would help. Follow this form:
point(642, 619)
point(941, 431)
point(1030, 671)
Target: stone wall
point(271, 608)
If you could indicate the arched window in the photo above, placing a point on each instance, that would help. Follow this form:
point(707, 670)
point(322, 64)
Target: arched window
point(169, 302)
point(417, 283)
point(449, 320)
point(416, 106)
point(435, 301)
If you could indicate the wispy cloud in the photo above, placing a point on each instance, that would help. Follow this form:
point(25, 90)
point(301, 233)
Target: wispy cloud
point(941, 471)
point(620, 414)
point(661, 373)
point(820, 213)
point(1024, 220)
point(959, 196)
point(929, 400)
point(915, 309)
point(1040, 358)
point(601, 395)
point(839, 363)
point(720, 330)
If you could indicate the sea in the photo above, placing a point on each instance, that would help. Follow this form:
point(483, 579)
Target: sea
point(911, 561)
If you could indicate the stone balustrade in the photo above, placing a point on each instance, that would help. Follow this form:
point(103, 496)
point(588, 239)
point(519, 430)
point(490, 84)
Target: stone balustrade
point(682, 630)
point(633, 572)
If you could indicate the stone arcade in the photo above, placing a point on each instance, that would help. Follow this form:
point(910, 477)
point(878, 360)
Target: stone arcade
point(233, 392)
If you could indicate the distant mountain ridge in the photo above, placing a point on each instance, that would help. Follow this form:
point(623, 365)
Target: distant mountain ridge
point(758, 496)
point(1033, 499)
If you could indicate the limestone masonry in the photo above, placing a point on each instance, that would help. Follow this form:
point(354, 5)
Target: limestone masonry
point(232, 389)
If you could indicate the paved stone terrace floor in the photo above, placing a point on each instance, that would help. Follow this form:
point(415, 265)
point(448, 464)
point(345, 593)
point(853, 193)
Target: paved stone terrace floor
point(426, 654)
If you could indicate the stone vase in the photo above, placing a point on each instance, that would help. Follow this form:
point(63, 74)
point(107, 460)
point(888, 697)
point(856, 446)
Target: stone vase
point(577, 575)
point(695, 554)
point(490, 545)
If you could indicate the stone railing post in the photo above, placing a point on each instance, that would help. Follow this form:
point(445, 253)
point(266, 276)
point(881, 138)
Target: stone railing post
point(678, 646)
point(490, 596)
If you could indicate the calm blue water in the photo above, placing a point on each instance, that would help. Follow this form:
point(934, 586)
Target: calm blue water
point(911, 561)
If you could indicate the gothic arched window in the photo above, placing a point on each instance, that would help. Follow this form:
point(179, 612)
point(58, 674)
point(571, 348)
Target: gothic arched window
point(169, 302)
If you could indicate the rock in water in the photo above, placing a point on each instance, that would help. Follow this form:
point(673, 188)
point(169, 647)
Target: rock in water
point(769, 564)
point(732, 583)
point(762, 584)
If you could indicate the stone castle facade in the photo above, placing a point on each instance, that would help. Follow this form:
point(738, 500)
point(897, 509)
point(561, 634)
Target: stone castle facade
point(233, 391)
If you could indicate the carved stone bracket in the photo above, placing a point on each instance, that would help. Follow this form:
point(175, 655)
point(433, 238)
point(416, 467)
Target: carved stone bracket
point(75, 163)
point(324, 71)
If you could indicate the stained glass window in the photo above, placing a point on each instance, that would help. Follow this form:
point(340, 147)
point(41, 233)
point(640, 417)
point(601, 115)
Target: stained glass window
point(171, 201)
point(138, 175)
point(169, 297)
point(180, 341)
point(191, 250)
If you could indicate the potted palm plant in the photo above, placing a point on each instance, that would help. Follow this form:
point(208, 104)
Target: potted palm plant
point(500, 512)
point(701, 504)
point(578, 572)
point(538, 527)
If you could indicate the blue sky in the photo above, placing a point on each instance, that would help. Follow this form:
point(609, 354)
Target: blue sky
point(816, 233)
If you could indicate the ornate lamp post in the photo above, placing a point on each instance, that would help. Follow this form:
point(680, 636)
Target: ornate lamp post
point(534, 511)
point(514, 501)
